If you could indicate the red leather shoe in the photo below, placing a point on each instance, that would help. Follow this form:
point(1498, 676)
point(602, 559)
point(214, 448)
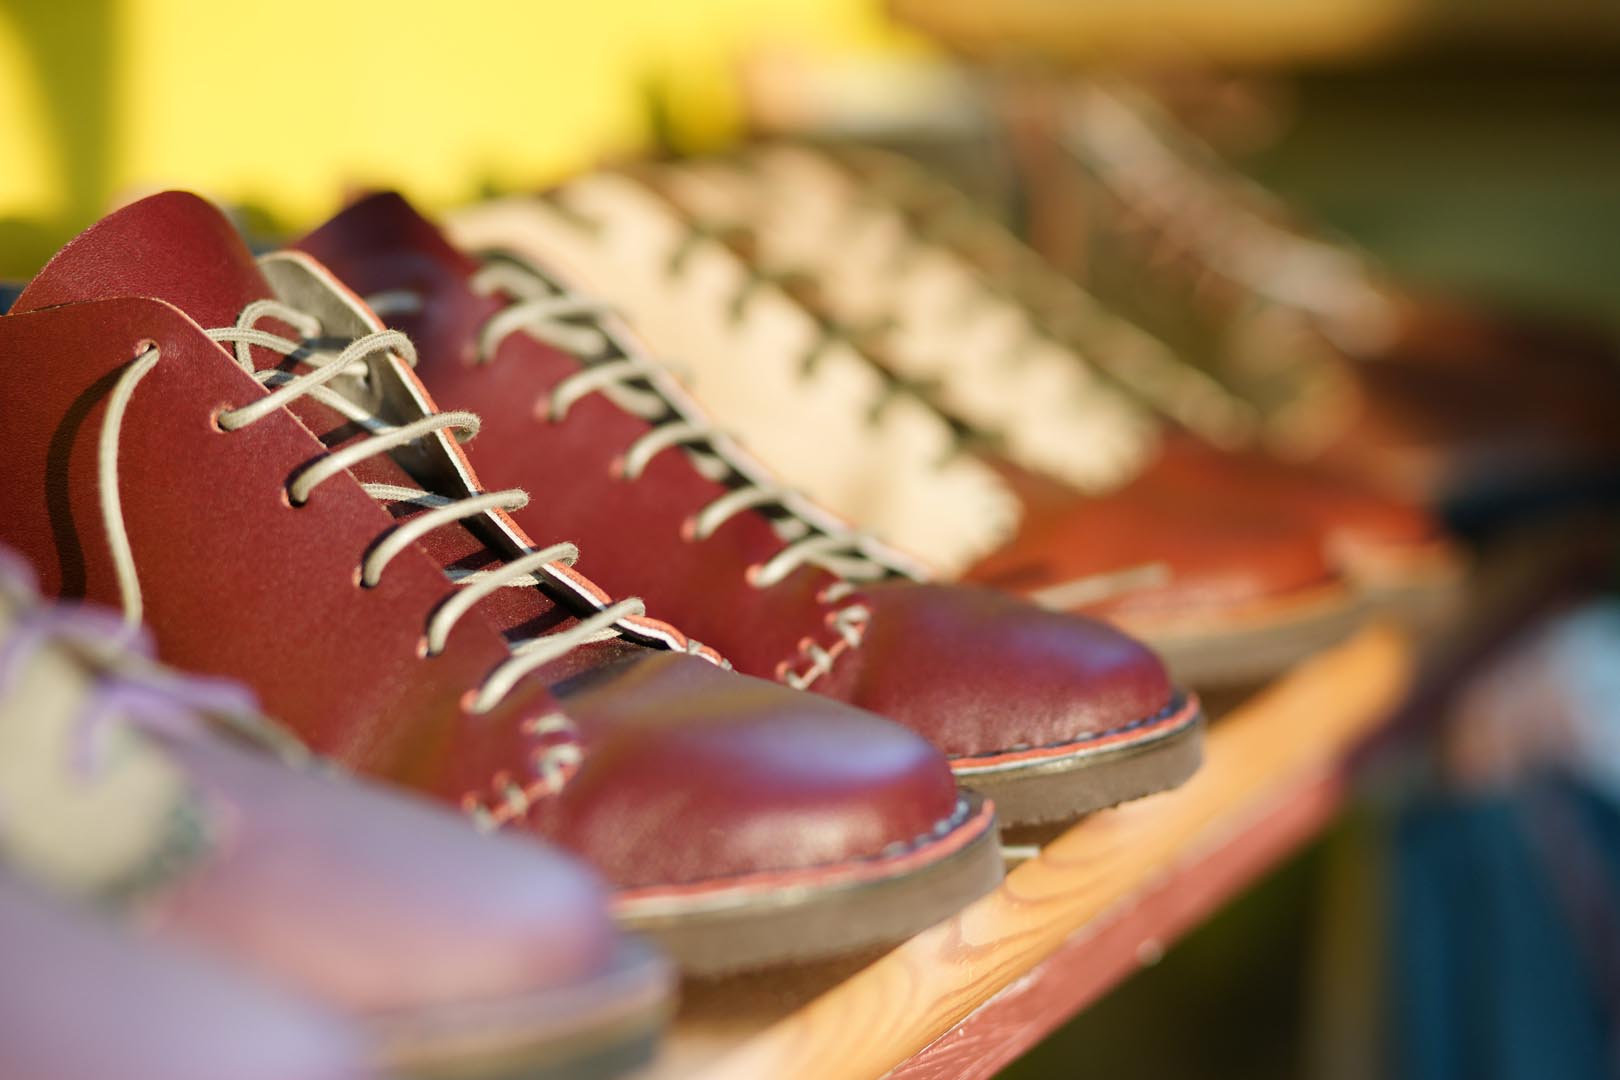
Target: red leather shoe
point(1051, 715)
point(1222, 601)
point(280, 498)
point(81, 1001)
point(127, 784)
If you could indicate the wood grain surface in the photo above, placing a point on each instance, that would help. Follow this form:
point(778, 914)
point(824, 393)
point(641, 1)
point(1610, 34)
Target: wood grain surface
point(966, 996)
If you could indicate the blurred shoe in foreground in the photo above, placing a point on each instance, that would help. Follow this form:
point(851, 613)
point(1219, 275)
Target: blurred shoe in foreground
point(80, 999)
point(169, 799)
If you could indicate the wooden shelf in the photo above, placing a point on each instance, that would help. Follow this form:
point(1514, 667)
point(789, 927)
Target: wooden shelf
point(967, 996)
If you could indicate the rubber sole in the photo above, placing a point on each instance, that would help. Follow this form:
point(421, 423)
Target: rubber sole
point(590, 1030)
point(1423, 592)
point(797, 916)
point(1062, 782)
point(1254, 647)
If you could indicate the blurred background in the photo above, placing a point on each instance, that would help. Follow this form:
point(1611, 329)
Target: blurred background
point(1468, 140)
point(1464, 920)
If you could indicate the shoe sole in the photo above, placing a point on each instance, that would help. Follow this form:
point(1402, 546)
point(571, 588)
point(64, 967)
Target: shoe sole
point(1254, 646)
point(1059, 783)
point(1421, 588)
point(592, 1030)
point(792, 917)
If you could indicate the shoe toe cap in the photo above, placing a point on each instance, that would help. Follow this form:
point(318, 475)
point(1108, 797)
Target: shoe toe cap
point(698, 774)
point(979, 672)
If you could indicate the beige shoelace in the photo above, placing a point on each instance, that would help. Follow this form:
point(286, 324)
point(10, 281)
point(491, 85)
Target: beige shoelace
point(533, 568)
point(574, 323)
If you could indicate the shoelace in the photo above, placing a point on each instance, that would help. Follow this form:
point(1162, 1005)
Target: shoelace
point(865, 337)
point(573, 323)
point(530, 569)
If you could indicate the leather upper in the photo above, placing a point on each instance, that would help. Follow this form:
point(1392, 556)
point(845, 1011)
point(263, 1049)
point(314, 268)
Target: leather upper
point(1217, 557)
point(975, 673)
point(238, 582)
point(1346, 512)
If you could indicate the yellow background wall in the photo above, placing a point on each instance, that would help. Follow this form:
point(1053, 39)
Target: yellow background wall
point(281, 105)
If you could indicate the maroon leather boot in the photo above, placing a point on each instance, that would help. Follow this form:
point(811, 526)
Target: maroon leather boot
point(241, 454)
point(1051, 714)
point(171, 801)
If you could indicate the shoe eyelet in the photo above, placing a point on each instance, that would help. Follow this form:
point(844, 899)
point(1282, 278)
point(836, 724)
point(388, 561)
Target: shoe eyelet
point(616, 468)
point(689, 530)
point(424, 650)
point(359, 578)
point(213, 420)
point(751, 575)
point(288, 501)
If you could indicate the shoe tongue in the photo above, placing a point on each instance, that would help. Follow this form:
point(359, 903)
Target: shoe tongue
point(383, 226)
point(174, 246)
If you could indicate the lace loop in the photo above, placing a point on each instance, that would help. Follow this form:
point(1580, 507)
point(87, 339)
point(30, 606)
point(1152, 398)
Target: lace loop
point(542, 309)
point(112, 500)
point(353, 355)
point(537, 652)
point(378, 443)
point(443, 512)
point(659, 439)
point(537, 308)
point(474, 589)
